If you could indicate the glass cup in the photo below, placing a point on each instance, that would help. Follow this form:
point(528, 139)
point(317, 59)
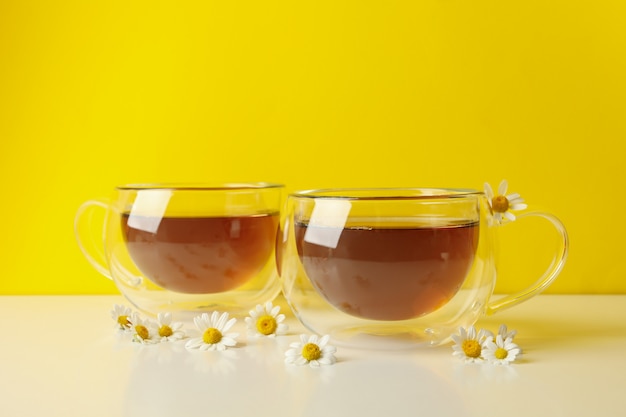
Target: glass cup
point(186, 247)
point(396, 268)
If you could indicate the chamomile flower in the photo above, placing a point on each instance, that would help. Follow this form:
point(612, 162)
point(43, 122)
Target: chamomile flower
point(265, 321)
point(505, 333)
point(312, 350)
point(501, 204)
point(213, 330)
point(121, 314)
point(468, 344)
point(501, 351)
point(144, 330)
point(168, 331)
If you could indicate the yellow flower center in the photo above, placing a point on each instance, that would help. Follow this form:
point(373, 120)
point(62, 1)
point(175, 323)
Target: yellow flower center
point(501, 353)
point(212, 336)
point(142, 331)
point(165, 331)
point(266, 325)
point(311, 352)
point(123, 321)
point(471, 348)
point(500, 204)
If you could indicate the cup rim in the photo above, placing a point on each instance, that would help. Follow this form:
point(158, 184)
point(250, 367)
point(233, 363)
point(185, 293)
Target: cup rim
point(386, 193)
point(200, 186)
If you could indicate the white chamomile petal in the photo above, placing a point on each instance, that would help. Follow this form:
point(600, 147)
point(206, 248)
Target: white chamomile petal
point(229, 339)
point(199, 321)
point(194, 343)
point(164, 318)
point(329, 349)
point(504, 332)
point(230, 323)
point(516, 202)
point(488, 192)
point(503, 187)
point(327, 360)
point(218, 321)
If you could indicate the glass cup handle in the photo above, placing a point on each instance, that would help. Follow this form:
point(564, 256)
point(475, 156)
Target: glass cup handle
point(548, 276)
point(92, 248)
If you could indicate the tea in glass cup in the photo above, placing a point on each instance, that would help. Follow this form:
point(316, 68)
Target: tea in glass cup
point(187, 247)
point(395, 267)
point(389, 270)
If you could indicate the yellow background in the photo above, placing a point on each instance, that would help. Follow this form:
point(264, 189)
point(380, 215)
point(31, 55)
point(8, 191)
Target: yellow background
point(313, 94)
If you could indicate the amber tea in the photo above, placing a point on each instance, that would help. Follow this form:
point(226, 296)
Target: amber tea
point(390, 270)
point(200, 255)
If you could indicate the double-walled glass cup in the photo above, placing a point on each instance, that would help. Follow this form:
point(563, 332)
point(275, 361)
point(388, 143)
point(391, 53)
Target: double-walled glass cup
point(186, 247)
point(395, 268)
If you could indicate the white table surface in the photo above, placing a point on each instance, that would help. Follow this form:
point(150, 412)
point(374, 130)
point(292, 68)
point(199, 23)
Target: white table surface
point(59, 356)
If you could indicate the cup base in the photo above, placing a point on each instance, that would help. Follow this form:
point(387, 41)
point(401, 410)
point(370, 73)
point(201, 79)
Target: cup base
point(378, 335)
point(185, 307)
point(431, 330)
point(400, 338)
